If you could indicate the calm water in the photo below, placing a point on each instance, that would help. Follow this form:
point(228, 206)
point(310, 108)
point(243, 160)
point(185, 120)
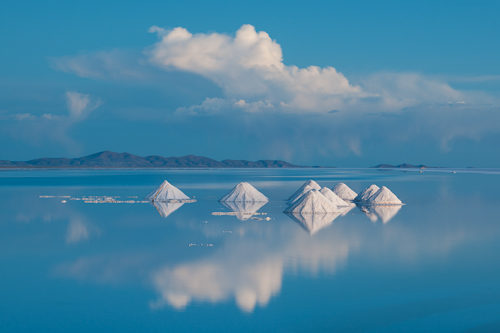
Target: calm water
point(432, 265)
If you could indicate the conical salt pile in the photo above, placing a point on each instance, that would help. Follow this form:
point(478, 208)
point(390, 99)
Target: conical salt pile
point(384, 196)
point(167, 192)
point(246, 193)
point(333, 197)
point(344, 192)
point(366, 193)
point(313, 202)
point(306, 187)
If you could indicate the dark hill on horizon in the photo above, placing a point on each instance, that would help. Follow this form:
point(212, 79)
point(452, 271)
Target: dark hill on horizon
point(401, 166)
point(109, 159)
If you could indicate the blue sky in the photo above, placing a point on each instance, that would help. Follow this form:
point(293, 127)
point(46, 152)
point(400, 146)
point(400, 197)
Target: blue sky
point(346, 83)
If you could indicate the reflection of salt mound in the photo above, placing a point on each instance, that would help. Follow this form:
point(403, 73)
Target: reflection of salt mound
point(366, 193)
point(244, 209)
point(313, 222)
point(344, 192)
point(167, 192)
point(306, 187)
point(313, 202)
point(385, 213)
point(246, 193)
point(384, 196)
point(369, 213)
point(166, 208)
point(347, 209)
point(333, 197)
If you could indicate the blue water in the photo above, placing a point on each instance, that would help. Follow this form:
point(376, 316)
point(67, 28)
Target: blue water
point(432, 265)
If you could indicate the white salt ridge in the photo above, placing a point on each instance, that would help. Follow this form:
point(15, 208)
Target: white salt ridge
point(313, 202)
point(167, 208)
point(246, 193)
point(167, 192)
point(243, 209)
point(312, 223)
point(364, 195)
point(306, 187)
point(344, 192)
point(333, 197)
point(383, 196)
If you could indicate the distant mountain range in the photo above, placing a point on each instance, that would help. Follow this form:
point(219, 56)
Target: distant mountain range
point(109, 159)
point(401, 166)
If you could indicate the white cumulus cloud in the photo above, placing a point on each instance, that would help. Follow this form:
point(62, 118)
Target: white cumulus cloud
point(249, 68)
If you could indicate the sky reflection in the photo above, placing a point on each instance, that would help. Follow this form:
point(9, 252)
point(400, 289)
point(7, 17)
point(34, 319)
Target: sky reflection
point(252, 266)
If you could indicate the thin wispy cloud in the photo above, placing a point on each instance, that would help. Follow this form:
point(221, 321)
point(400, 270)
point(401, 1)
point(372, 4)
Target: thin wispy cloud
point(48, 127)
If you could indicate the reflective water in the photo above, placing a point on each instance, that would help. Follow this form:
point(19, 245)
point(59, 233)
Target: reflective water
point(431, 265)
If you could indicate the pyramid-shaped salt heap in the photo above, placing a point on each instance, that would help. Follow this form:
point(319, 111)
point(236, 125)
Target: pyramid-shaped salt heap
point(333, 197)
point(306, 187)
point(383, 196)
point(366, 193)
point(167, 192)
point(344, 192)
point(313, 202)
point(246, 193)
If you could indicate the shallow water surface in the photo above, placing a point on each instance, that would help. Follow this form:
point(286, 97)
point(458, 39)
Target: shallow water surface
point(430, 265)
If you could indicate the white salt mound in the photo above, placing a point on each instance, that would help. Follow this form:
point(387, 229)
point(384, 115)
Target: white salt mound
point(167, 192)
point(312, 223)
point(306, 187)
point(366, 193)
point(344, 192)
point(383, 196)
point(333, 197)
point(243, 209)
point(244, 192)
point(313, 202)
